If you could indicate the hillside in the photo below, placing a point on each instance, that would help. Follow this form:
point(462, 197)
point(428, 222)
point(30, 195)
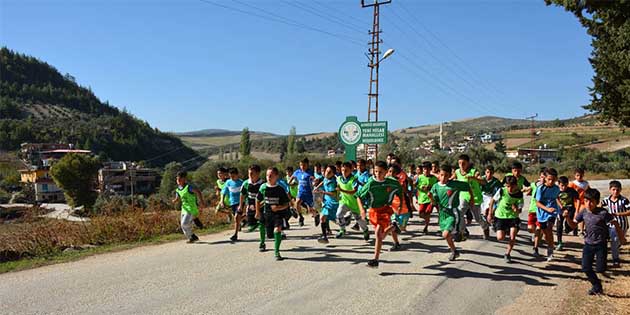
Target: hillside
point(39, 104)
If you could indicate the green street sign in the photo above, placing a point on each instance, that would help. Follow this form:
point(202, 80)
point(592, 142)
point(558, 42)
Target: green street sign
point(374, 132)
point(353, 132)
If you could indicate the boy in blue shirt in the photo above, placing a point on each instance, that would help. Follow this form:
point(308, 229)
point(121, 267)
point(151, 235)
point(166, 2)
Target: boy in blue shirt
point(547, 210)
point(328, 188)
point(232, 189)
point(304, 177)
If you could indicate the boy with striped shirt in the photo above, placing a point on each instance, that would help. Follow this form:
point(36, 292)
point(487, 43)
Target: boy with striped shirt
point(619, 207)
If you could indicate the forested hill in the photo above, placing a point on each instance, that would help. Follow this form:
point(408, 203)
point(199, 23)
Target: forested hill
point(39, 104)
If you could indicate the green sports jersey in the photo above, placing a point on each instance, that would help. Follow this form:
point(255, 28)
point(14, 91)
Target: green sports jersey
point(505, 202)
point(271, 196)
point(226, 198)
point(448, 196)
point(347, 199)
point(476, 187)
point(491, 186)
point(532, 204)
point(424, 185)
point(521, 181)
point(293, 187)
point(188, 199)
point(380, 193)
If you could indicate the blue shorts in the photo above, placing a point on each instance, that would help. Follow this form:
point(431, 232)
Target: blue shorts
point(306, 198)
point(234, 209)
point(330, 211)
point(401, 219)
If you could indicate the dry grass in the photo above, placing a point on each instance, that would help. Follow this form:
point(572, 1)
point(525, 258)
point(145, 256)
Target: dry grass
point(31, 236)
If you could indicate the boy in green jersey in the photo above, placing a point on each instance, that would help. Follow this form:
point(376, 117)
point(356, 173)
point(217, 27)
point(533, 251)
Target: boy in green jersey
point(468, 174)
point(445, 194)
point(274, 211)
point(380, 191)
point(249, 191)
point(425, 182)
point(489, 189)
point(509, 204)
point(190, 199)
point(347, 185)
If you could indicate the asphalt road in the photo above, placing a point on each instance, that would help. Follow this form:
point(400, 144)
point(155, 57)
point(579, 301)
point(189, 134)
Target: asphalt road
point(219, 277)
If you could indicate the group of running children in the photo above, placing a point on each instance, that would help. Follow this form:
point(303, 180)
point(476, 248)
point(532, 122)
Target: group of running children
point(386, 196)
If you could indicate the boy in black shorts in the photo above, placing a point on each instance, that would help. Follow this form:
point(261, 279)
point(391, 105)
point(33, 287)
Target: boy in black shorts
point(274, 211)
point(509, 204)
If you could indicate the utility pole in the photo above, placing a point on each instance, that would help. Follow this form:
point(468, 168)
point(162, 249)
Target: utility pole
point(374, 55)
point(533, 135)
point(441, 142)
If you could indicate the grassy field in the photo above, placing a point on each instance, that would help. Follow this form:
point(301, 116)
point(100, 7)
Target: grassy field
point(604, 137)
point(199, 143)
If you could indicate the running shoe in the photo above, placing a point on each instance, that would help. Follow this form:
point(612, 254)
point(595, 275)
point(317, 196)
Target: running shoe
point(372, 263)
point(453, 255)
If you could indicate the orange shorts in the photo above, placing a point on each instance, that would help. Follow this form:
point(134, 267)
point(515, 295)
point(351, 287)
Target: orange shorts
point(426, 208)
point(532, 219)
point(381, 216)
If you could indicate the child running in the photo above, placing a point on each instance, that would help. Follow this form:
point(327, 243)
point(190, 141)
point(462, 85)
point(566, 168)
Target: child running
point(548, 208)
point(249, 191)
point(467, 173)
point(509, 203)
point(347, 185)
point(304, 177)
point(532, 220)
point(580, 185)
point(425, 182)
point(190, 199)
point(402, 205)
point(222, 177)
point(380, 190)
point(567, 198)
point(328, 188)
point(293, 186)
point(595, 240)
point(232, 189)
point(619, 207)
point(489, 189)
point(445, 194)
point(273, 213)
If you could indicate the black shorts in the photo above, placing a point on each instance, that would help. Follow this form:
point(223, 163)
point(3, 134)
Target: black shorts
point(275, 219)
point(506, 224)
point(550, 223)
point(597, 253)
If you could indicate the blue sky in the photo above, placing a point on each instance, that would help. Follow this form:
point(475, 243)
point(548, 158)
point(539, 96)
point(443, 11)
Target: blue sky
point(188, 65)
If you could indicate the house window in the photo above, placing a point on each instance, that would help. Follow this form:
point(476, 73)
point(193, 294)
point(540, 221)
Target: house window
point(44, 187)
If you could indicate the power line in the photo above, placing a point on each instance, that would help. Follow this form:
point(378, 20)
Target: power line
point(304, 7)
point(487, 107)
point(358, 23)
point(462, 63)
point(279, 19)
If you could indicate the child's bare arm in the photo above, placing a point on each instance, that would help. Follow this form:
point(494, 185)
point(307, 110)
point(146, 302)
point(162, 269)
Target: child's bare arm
point(570, 221)
point(361, 208)
point(620, 234)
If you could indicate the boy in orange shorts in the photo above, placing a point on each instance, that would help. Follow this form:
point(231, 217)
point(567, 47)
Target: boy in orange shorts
point(380, 190)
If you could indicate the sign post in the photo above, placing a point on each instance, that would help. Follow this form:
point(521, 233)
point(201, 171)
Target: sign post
point(353, 132)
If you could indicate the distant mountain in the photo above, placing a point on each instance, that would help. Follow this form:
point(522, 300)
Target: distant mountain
point(218, 133)
point(39, 104)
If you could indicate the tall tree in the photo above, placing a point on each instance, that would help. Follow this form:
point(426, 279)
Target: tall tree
point(168, 184)
point(500, 147)
point(291, 141)
point(75, 175)
point(246, 146)
point(608, 22)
